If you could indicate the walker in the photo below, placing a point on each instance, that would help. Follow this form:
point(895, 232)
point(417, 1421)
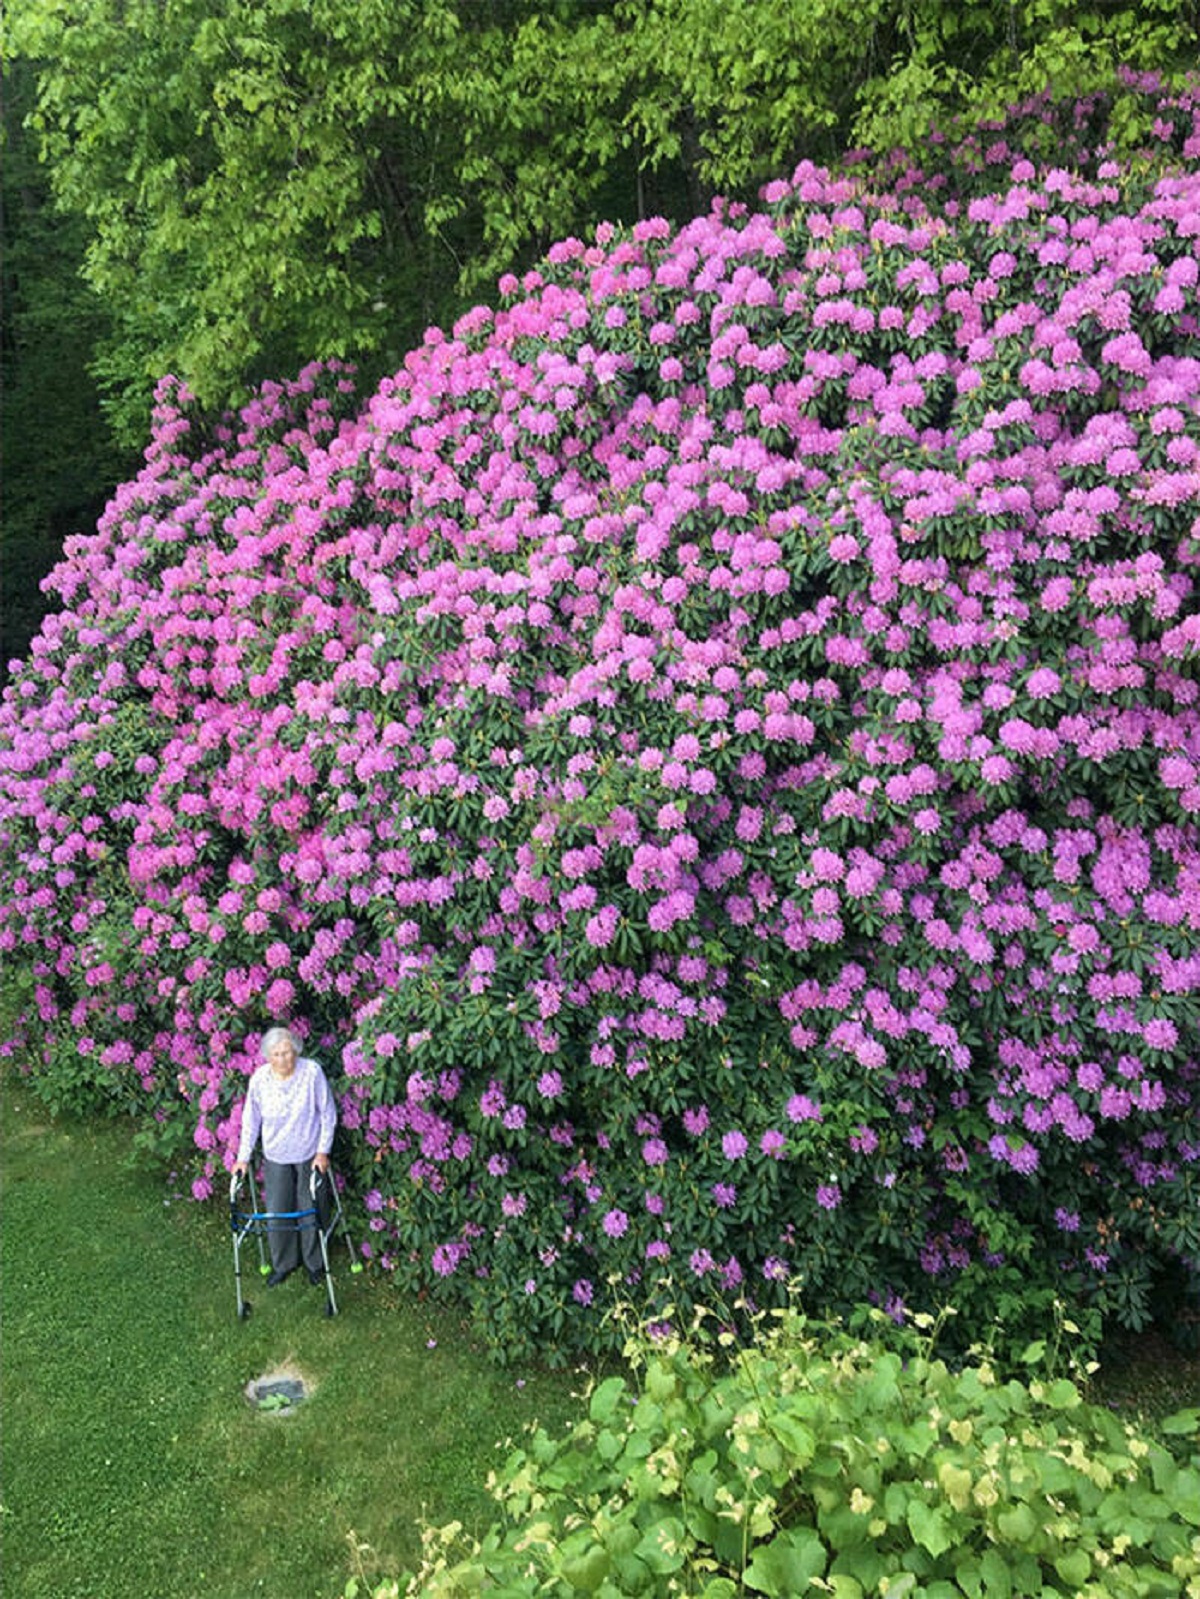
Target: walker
point(324, 1214)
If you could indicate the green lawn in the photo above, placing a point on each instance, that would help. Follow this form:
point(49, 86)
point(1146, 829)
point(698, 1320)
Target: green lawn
point(133, 1464)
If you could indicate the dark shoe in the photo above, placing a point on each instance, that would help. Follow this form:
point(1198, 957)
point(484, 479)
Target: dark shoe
point(316, 1278)
point(277, 1277)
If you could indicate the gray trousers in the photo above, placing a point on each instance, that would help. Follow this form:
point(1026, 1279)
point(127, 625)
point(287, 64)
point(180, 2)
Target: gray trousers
point(287, 1189)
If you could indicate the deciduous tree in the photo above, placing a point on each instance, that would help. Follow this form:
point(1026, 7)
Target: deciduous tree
point(268, 181)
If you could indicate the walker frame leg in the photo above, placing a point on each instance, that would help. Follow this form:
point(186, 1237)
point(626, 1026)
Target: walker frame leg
point(259, 1222)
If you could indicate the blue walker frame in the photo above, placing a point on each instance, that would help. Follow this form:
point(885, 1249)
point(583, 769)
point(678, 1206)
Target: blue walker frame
point(258, 1223)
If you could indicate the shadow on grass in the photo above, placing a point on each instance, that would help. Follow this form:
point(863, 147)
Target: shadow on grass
point(1148, 1376)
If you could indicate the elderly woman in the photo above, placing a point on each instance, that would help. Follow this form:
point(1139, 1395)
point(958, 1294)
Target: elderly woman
point(289, 1102)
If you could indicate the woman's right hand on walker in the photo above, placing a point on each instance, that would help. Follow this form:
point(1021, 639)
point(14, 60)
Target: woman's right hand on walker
point(240, 1168)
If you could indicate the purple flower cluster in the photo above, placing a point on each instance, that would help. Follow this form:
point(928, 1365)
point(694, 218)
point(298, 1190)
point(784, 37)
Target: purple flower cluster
point(710, 750)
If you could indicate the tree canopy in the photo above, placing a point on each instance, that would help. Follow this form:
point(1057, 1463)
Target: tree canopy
point(268, 181)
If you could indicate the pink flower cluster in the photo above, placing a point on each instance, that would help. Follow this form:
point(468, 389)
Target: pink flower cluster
point(710, 752)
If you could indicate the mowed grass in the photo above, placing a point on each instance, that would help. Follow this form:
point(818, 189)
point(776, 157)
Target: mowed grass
point(133, 1463)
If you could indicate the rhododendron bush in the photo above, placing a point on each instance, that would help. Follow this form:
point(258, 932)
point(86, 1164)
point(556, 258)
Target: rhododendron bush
point(708, 753)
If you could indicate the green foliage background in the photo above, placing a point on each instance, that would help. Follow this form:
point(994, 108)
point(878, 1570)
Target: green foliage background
point(263, 182)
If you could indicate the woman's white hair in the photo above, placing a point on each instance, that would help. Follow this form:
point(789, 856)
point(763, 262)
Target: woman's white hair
point(277, 1035)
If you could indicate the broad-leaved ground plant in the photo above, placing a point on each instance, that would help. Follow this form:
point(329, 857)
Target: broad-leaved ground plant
point(812, 1462)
